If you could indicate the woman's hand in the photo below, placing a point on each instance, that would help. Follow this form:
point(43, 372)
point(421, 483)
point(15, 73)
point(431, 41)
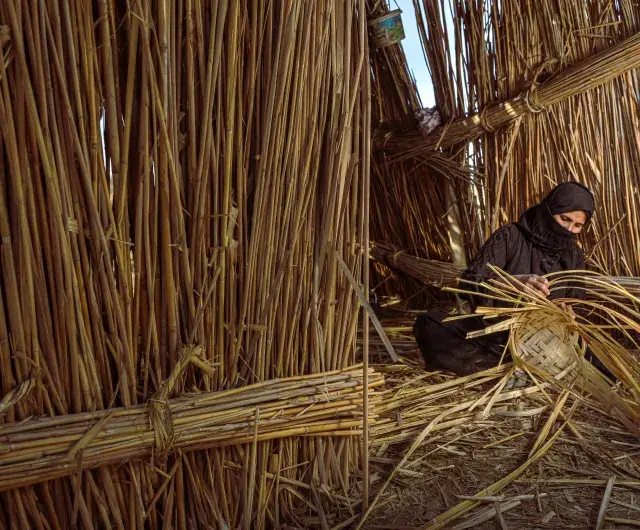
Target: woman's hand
point(532, 282)
point(569, 310)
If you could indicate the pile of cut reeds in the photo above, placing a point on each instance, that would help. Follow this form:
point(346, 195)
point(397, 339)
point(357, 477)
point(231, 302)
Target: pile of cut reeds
point(470, 441)
point(426, 422)
point(179, 173)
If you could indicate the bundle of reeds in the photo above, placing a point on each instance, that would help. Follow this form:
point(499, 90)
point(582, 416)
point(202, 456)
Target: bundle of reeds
point(179, 173)
point(329, 404)
point(429, 272)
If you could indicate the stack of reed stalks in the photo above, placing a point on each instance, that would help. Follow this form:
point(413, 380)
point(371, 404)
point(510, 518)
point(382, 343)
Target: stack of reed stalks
point(327, 404)
point(179, 173)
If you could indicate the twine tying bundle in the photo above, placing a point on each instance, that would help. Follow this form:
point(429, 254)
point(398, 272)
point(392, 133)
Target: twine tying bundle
point(160, 417)
point(327, 404)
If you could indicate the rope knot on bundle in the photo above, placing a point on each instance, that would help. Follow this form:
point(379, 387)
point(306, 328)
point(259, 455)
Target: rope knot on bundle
point(484, 123)
point(160, 415)
point(530, 95)
point(531, 100)
point(391, 259)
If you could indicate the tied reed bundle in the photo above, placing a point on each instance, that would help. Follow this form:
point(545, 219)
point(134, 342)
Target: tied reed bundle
point(321, 405)
point(544, 335)
point(429, 272)
point(579, 78)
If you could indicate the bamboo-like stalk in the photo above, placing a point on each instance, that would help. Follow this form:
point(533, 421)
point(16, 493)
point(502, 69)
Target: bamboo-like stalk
point(365, 266)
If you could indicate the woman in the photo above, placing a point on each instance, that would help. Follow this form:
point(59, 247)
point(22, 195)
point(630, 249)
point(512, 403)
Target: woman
point(541, 242)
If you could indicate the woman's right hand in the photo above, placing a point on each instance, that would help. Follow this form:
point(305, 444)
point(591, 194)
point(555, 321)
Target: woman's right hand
point(528, 282)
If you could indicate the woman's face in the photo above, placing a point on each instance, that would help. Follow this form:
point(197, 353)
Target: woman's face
point(572, 221)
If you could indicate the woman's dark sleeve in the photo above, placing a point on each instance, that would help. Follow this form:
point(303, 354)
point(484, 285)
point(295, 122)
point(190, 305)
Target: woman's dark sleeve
point(495, 251)
point(575, 291)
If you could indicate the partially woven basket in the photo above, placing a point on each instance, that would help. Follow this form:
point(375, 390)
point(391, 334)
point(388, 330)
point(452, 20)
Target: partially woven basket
point(543, 342)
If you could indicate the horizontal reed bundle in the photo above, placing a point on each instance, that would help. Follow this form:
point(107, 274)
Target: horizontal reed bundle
point(429, 272)
point(48, 448)
point(440, 405)
point(581, 77)
point(445, 274)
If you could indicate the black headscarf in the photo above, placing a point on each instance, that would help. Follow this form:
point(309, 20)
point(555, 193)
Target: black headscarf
point(539, 225)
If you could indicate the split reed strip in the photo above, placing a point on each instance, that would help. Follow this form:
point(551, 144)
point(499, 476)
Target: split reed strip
point(178, 173)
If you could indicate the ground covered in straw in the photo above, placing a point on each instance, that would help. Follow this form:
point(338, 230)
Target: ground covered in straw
point(590, 471)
